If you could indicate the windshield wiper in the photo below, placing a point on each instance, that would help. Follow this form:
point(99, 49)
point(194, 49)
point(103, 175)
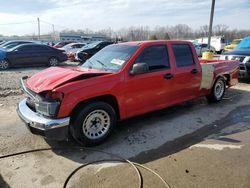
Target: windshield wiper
point(103, 65)
point(91, 64)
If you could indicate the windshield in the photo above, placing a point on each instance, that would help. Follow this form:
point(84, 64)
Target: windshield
point(245, 43)
point(10, 46)
point(111, 58)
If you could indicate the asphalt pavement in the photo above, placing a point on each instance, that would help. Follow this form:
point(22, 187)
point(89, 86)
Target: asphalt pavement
point(194, 144)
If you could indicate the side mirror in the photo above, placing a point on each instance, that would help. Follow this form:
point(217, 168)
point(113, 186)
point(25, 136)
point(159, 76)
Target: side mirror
point(16, 51)
point(139, 68)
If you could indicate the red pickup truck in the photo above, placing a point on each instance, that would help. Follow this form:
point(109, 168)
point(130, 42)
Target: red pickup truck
point(120, 81)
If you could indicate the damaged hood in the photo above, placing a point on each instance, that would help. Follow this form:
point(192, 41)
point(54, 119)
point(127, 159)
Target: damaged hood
point(53, 77)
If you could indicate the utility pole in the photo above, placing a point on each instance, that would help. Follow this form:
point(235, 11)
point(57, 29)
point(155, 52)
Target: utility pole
point(38, 24)
point(211, 23)
point(53, 27)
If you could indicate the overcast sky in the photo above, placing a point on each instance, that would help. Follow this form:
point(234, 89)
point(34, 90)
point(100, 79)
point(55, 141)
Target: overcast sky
point(102, 14)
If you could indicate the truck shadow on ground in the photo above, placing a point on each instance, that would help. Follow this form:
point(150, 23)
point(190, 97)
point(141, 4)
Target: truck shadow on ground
point(3, 184)
point(138, 124)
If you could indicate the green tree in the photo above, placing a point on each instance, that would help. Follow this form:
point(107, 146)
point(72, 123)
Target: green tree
point(153, 37)
point(166, 36)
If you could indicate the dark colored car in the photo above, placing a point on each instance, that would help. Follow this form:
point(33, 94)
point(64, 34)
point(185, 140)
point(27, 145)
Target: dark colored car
point(89, 50)
point(242, 54)
point(13, 43)
point(1, 42)
point(32, 55)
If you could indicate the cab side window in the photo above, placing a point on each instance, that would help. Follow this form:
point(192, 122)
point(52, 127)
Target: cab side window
point(24, 49)
point(156, 57)
point(183, 55)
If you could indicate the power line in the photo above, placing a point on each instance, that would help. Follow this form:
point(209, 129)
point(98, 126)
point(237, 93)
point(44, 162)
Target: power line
point(15, 23)
point(52, 24)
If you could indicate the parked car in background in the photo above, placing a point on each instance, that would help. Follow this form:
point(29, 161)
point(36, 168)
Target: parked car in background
point(13, 43)
point(31, 54)
point(218, 42)
point(1, 42)
point(119, 82)
point(62, 44)
point(232, 45)
point(89, 50)
point(71, 49)
point(73, 46)
point(200, 48)
point(241, 53)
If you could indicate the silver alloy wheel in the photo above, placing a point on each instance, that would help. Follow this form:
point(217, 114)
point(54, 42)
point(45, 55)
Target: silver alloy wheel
point(96, 124)
point(53, 61)
point(219, 89)
point(4, 64)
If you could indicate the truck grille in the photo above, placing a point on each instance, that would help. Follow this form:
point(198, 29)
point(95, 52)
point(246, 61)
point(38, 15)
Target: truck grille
point(242, 67)
point(238, 58)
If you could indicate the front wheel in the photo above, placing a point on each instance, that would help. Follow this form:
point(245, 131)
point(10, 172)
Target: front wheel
point(53, 61)
point(218, 90)
point(93, 123)
point(4, 64)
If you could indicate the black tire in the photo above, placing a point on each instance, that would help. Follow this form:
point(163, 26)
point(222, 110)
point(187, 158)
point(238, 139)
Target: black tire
point(53, 61)
point(4, 64)
point(93, 123)
point(217, 91)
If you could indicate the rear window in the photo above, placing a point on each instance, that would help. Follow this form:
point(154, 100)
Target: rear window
point(183, 55)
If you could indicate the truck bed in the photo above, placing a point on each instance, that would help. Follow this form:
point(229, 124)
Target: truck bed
point(211, 69)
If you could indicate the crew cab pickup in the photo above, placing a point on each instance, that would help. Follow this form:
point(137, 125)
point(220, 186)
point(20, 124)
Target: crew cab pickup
point(120, 81)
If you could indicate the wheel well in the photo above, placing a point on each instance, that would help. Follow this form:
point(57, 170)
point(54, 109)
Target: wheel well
point(53, 57)
point(227, 78)
point(7, 60)
point(110, 99)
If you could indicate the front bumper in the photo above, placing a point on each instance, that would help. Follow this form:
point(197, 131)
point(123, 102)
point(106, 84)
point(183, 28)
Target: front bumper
point(244, 71)
point(56, 129)
point(244, 74)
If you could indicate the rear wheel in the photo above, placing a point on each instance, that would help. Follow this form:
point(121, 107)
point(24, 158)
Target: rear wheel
point(4, 64)
point(53, 61)
point(93, 123)
point(218, 90)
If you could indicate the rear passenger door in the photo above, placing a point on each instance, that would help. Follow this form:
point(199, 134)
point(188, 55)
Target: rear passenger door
point(187, 72)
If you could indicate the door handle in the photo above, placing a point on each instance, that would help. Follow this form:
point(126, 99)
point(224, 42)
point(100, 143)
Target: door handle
point(194, 71)
point(168, 76)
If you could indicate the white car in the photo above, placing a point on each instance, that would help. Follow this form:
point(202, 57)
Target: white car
point(200, 48)
point(72, 47)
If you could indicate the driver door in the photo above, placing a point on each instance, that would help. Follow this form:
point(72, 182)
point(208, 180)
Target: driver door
point(151, 90)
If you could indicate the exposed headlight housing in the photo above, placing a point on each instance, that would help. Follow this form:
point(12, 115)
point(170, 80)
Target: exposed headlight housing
point(49, 106)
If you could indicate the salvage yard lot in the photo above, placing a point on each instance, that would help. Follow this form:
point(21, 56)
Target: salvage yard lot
point(193, 144)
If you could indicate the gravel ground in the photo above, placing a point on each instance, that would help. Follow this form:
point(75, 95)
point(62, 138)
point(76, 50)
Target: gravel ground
point(10, 86)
